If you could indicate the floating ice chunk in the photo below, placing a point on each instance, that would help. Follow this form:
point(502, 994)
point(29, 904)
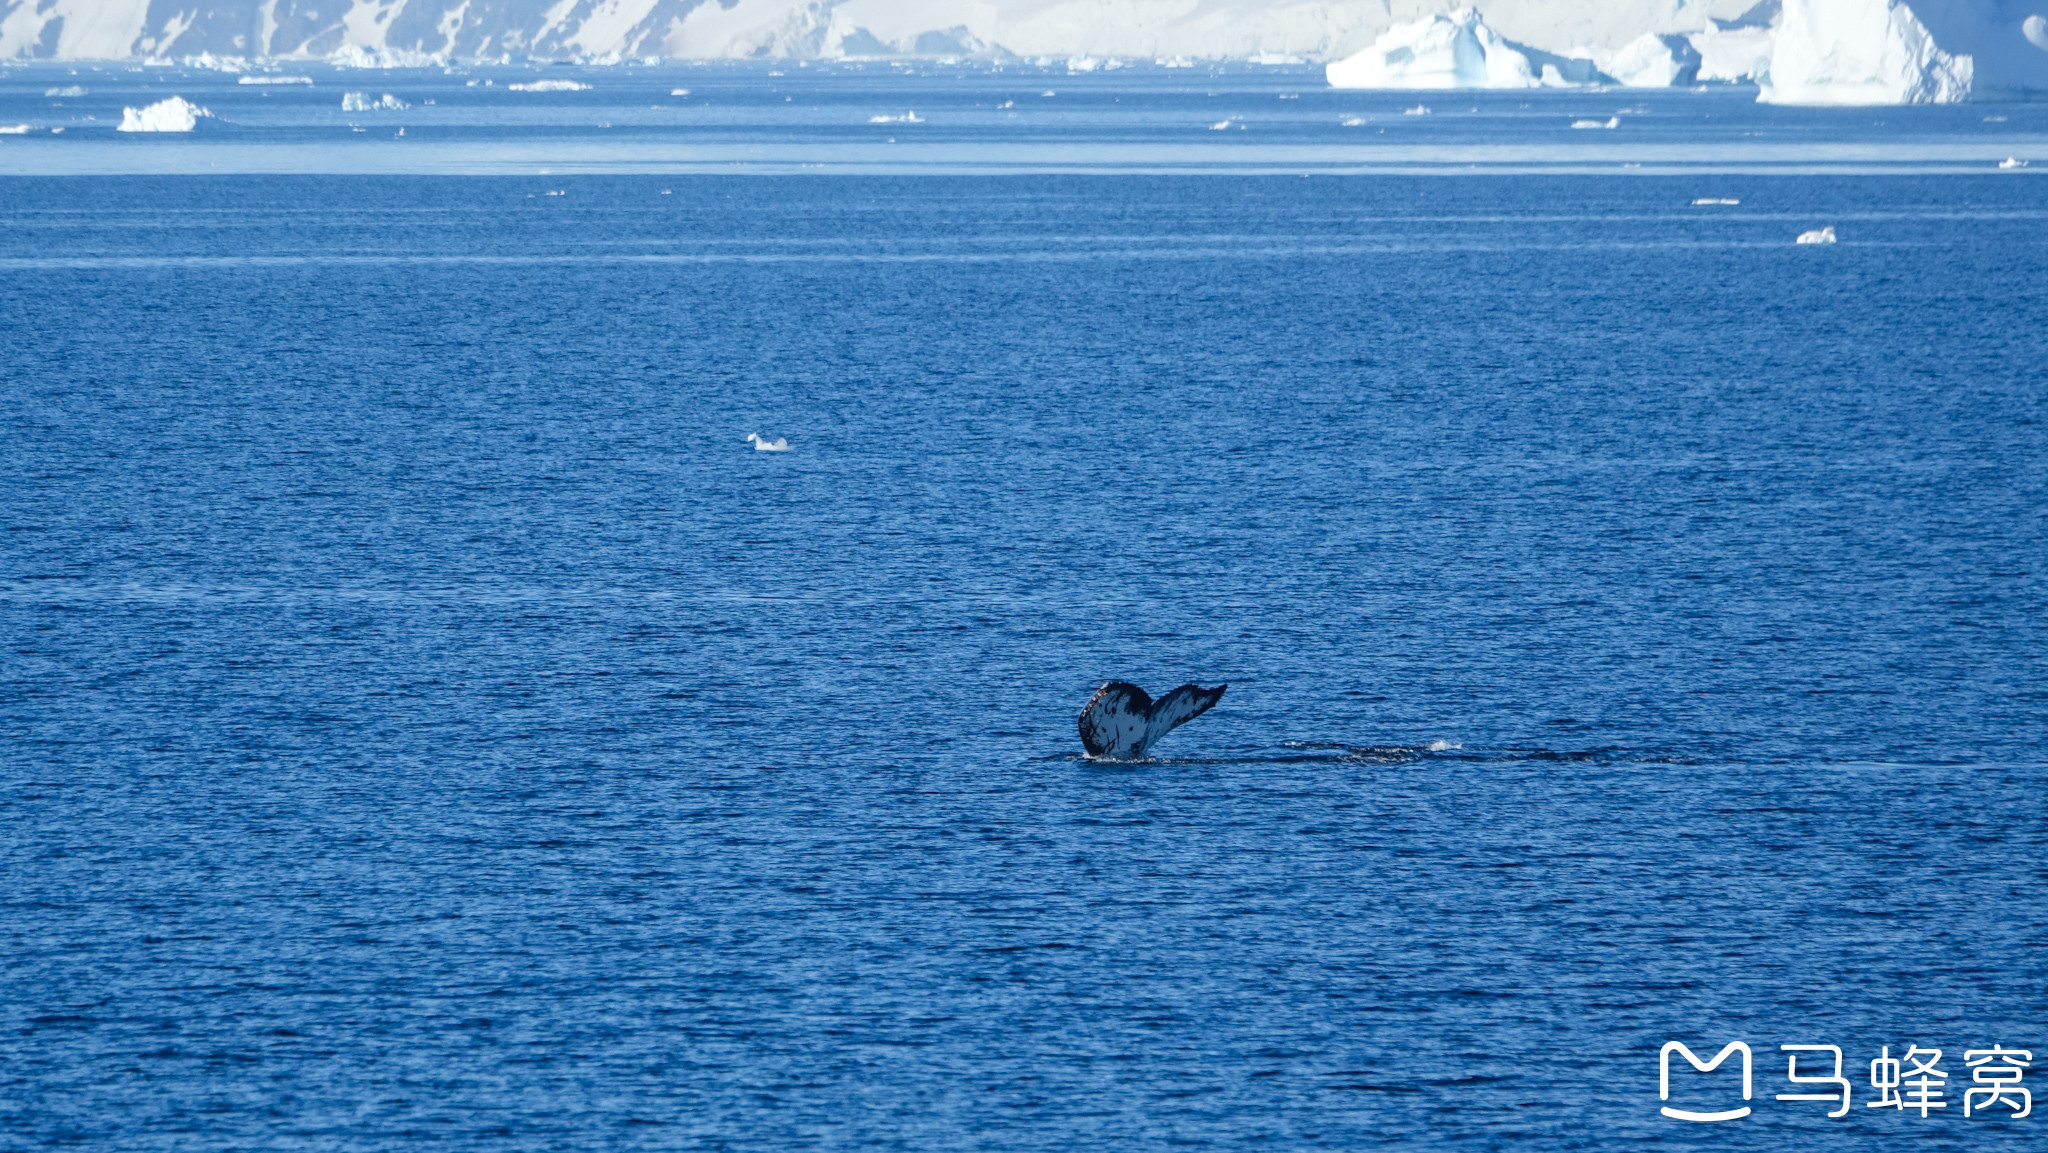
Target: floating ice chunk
point(1174, 62)
point(216, 63)
point(1223, 124)
point(1610, 122)
point(2035, 29)
point(2012, 162)
point(1653, 61)
point(173, 115)
point(357, 56)
point(16, 129)
point(779, 444)
point(1353, 122)
point(1455, 51)
point(906, 118)
point(549, 86)
point(678, 92)
point(1418, 110)
point(1715, 200)
point(67, 90)
point(361, 102)
point(1048, 92)
point(274, 80)
point(1817, 236)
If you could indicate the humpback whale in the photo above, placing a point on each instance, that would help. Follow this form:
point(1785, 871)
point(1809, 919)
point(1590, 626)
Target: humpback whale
point(1120, 722)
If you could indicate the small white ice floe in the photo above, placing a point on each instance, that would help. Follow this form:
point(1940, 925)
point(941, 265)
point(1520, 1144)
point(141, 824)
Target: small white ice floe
point(173, 115)
point(67, 91)
point(1225, 123)
point(1418, 110)
point(1715, 200)
point(2012, 162)
point(361, 102)
point(906, 118)
point(779, 444)
point(1352, 122)
point(549, 86)
point(1817, 236)
point(678, 92)
point(1610, 122)
point(16, 129)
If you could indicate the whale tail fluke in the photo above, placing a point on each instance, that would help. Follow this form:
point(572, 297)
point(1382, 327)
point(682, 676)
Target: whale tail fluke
point(1121, 721)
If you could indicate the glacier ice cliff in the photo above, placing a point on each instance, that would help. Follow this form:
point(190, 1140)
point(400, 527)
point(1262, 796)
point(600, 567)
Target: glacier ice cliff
point(1807, 51)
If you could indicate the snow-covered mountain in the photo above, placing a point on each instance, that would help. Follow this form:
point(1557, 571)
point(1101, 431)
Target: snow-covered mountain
point(1807, 51)
point(598, 29)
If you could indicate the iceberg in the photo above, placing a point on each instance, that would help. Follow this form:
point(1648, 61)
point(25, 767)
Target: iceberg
point(549, 86)
point(1654, 61)
point(1454, 51)
point(1861, 52)
point(1733, 55)
point(173, 115)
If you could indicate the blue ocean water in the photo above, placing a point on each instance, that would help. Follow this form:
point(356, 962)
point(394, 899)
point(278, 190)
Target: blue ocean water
point(427, 722)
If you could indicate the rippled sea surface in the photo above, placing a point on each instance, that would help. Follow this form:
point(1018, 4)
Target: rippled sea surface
point(425, 722)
